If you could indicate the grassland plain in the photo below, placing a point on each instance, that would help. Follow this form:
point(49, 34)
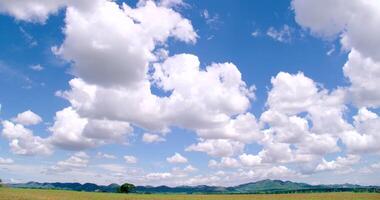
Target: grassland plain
point(34, 194)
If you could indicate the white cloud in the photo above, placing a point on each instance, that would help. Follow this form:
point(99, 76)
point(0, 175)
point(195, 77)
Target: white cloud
point(364, 75)
point(67, 131)
point(177, 74)
point(72, 132)
point(158, 176)
point(133, 29)
point(225, 162)
point(339, 164)
point(152, 138)
point(23, 142)
point(130, 86)
point(107, 130)
point(5, 161)
point(243, 128)
point(339, 17)
point(364, 138)
point(190, 168)
point(172, 3)
point(217, 147)
point(211, 19)
point(282, 35)
point(130, 159)
point(292, 93)
point(182, 75)
point(343, 19)
point(183, 172)
point(303, 122)
point(105, 155)
point(27, 118)
point(78, 160)
point(34, 10)
point(250, 160)
point(177, 158)
point(36, 67)
point(255, 33)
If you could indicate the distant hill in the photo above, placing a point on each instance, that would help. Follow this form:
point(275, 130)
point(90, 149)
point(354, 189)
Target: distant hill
point(270, 185)
point(88, 187)
point(264, 186)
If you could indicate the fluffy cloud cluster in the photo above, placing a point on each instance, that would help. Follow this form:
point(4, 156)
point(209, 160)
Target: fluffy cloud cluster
point(177, 158)
point(124, 77)
point(344, 19)
point(330, 18)
point(117, 69)
point(217, 147)
point(152, 138)
point(127, 77)
point(22, 141)
point(130, 159)
point(35, 10)
point(27, 118)
point(70, 131)
point(5, 161)
point(77, 161)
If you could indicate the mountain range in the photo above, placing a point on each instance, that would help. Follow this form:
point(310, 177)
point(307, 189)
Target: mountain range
point(264, 186)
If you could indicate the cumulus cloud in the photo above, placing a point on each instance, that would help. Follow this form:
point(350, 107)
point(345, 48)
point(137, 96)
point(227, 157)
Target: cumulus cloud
point(250, 160)
point(127, 46)
point(364, 75)
point(130, 159)
point(217, 147)
point(364, 138)
point(177, 158)
point(292, 93)
point(35, 10)
point(107, 130)
point(78, 160)
point(152, 138)
point(243, 128)
point(22, 140)
point(330, 18)
point(5, 161)
point(67, 131)
point(172, 3)
point(105, 155)
point(27, 118)
point(225, 162)
point(128, 78)
point(340, 163)
point(345, 20)
point(38, 10)
point(176, 75)
point(124, 77)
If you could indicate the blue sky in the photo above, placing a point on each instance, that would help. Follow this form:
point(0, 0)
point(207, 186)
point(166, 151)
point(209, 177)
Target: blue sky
point(189, 92)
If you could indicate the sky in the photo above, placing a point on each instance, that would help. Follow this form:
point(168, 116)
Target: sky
point(183, 92)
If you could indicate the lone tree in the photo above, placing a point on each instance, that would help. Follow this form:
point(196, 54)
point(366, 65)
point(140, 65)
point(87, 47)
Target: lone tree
point(1, 183)
point(126, 188)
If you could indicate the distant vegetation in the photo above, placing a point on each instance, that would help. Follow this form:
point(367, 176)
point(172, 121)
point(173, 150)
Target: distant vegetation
point(126, 188)
point(259, 187)
point(27, 194)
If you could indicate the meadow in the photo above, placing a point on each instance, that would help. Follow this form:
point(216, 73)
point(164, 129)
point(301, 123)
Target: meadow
point(34, 194)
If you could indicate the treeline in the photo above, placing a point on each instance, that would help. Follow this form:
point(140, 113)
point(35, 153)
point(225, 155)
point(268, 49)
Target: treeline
point(318, 190)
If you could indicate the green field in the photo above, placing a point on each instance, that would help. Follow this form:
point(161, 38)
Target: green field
point(33, 194)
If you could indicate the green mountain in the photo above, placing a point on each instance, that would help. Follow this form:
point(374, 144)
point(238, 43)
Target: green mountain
point(264, 186)
point(270, 185)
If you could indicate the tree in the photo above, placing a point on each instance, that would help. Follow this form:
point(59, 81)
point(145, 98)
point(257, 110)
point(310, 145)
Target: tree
point(1, 183)
point(126, 188)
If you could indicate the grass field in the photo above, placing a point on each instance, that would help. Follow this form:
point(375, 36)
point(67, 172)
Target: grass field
point(31, 194)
